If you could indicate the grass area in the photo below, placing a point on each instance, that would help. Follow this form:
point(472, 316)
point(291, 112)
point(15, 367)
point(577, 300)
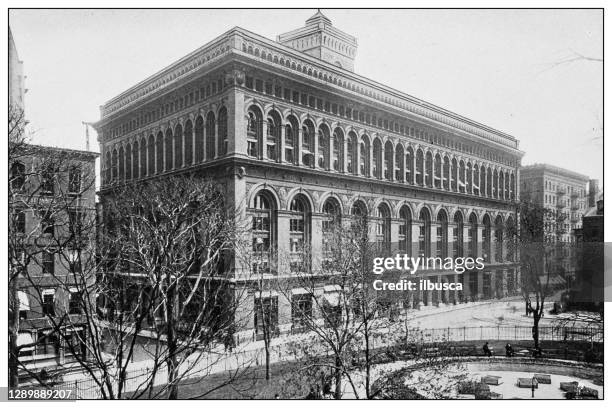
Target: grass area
point(292, 380)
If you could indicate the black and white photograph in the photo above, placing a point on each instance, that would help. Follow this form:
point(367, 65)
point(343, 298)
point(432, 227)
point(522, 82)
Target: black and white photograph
point(304, 204)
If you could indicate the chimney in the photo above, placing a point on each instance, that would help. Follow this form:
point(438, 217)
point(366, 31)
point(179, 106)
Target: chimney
point(593, 192)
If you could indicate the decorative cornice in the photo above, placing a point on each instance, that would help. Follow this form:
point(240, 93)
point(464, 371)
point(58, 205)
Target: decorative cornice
point(252, 46)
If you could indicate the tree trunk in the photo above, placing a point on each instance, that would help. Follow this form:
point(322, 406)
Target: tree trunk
point(171, 361)
point(367, 361)
point(13, 334)
point(338, 375)
point(536, 330)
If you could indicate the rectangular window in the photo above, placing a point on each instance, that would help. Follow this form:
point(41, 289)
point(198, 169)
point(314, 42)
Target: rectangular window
point(48, 302)
point(74, 305)
point(48, 262)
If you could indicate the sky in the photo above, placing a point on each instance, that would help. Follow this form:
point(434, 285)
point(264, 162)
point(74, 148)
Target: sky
point(513, 70)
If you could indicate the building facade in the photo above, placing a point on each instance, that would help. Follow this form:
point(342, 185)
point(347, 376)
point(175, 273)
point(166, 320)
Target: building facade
point(296, 137)
point(562, 192)
point(51, 235)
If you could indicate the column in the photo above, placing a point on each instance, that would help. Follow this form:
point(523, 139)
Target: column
point(236, 126)
point(330, 152)
point(479, 291)
point(450, 238)
point(284, 249)
point(455, 293)
point(163, 139)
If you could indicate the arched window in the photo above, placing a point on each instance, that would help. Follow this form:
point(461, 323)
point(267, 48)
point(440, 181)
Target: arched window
point(351, 153)
point(199, 139)
point(399, 163)
point(383, 227)
point(472, 241)
point(438, 171)
point(461, 176)
point(483, 181)
point(453, 175)
point(222, 127)
point(308, 135)
point(446, 173)
point(338, 151)
point(135, 160)
point(424, 233)
point(178, 147)
point(458, 235)
point(323, 153)
point(299, 233)
point(476, 180)
point(121, 163)
point(489, 182)
point(17, 176)
point(486, 239)
point(263, 232)
point(159, 147)
point(211, 150)
point(405, 230)
point(150, 156)
point(377, 163)
point(128, 162)
point(506, 185)
point(364, 156)
point(333, 218)
point(429, 170)
point(409, 165)
point(359, 217)
point(169, 150)
point(254, 130)
point(442, 235)
point(468, 178)
point(291, 140)
point(495, 184)
point(512, 185)
point(388, 161)
point(499, 239)
point(273, 135)
point(188, 132)
point(114, 163)
point(419, 167)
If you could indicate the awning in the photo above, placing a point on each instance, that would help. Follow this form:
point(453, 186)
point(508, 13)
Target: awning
point(25, 338)
point(24, 302)
point(300, 291)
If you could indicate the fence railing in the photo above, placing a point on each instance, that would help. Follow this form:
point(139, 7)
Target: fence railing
point(213, 362)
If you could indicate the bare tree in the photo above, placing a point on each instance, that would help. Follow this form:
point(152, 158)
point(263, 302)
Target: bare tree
point(335, 305)
point(176, 236)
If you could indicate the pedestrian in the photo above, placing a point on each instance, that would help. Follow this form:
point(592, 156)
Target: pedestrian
point(509, 350)
point(311, 394)
point(487, 350)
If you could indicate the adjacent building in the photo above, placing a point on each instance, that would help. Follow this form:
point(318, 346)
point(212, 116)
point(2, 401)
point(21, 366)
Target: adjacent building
point(297, 137)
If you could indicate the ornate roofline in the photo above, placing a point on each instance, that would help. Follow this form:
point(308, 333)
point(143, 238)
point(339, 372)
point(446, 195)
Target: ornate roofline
point(238, 40)
point(558, 171)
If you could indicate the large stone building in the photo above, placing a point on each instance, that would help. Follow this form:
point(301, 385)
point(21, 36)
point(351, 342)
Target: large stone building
point(296, 136)
point(17, 89)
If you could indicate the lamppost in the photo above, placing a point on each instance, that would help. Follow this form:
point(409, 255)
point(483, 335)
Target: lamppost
point(534, 384)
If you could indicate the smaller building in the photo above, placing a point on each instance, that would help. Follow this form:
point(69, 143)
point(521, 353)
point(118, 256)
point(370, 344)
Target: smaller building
point(51, 238)
point(562, 194)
